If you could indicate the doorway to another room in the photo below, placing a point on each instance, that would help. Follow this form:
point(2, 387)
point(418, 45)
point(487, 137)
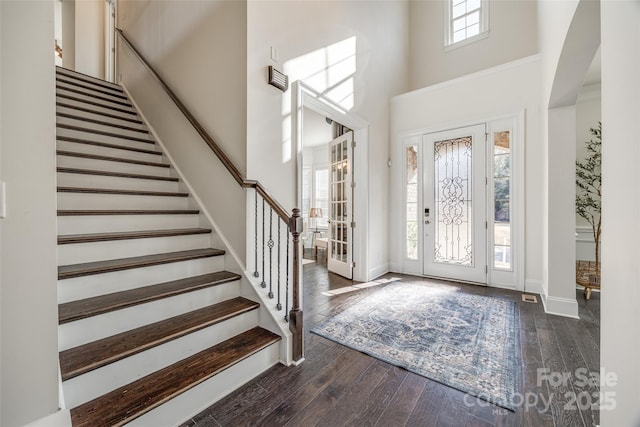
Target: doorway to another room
point(327, 193)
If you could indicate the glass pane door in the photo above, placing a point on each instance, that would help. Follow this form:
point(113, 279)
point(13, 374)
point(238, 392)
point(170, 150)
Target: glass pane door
point(340, 195)
point(455, 204)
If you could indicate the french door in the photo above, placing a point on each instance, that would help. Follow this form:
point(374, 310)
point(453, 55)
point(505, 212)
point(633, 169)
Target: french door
point(339, 251)
point(454, 200)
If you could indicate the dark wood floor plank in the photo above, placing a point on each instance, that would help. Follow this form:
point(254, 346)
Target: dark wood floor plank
point(133, 400)
point(280, 383)
point(355, 396)
point(79, 360)
point(559, 391)
point(305, 395)
point(379, 399)
point(403, 402)
point(436, 405)
point(586, 392)
point(328, 397)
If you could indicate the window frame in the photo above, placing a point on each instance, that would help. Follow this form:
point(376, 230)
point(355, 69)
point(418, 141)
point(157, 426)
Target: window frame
point(448, 26)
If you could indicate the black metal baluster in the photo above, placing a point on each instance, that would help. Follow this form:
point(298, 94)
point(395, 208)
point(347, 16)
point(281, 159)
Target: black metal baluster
point(270, 244)
point(278, 305)
point(255, 231)
point(263, 283)
point(286, 295)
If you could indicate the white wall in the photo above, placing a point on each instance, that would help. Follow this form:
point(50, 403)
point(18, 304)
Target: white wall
point(620, 298)
point(199, 48)
point(512, 35)
point(587, 116)
point(89, 37)
point(300, 32)
point(507, 89)
point(568, 39)
point(28, 265)
point(69, 34)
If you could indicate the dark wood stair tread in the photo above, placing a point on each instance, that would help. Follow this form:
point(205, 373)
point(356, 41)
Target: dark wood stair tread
point(135, 399)
point(111, 159)
point(73, 74)
point(129, 235)
point(81, 309)
point(128, 212)
point(97, 104)
point(116, 174)
point(84, 85)
point(106, 145)
point(103, 133)
point(98, 267)
point(101, 122)
point(121, 192)
point(120, 101)
point(101, 113)
point(82, 359)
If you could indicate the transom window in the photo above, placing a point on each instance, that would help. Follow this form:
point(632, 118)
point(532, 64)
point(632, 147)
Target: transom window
point(466, 22)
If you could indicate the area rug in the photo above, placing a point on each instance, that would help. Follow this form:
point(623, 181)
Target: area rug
point(468, 342)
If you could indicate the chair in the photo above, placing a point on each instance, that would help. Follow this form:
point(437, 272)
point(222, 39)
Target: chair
point(322, 243)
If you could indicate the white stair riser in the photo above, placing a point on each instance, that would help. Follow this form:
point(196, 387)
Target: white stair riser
point(109, 223)
point(73, 201)
point(76, 253)
point(108, 151)
point(86, 387)
point(100, 117)
point(110, 166)
point(190, 403)
point(103, 128)
point(97, 92)
point(86, 80)
point(93, 328)
point(99, 284)
point(92, 100)
point(101, 181)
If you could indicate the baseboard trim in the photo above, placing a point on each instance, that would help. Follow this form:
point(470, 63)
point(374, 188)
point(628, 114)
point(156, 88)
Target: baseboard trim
point(565, 307)
point(532, 286)
point(62, 418)
point(378, 271)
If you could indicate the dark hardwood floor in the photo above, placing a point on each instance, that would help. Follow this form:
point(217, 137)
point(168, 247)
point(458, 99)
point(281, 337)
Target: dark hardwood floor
point(337, 386)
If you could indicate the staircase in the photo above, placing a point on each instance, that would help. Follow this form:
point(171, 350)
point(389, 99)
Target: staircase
point(152, 328)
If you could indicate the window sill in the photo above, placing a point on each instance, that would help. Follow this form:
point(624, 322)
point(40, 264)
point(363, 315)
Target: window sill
point(465, 42)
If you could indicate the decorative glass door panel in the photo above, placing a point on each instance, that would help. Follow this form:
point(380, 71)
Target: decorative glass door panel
point(455, 204)
point(339, 259)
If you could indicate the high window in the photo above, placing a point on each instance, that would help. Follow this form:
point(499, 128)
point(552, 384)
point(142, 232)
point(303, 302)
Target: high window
point(465, 22)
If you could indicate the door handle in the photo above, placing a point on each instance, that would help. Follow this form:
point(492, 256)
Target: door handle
point(426, 221)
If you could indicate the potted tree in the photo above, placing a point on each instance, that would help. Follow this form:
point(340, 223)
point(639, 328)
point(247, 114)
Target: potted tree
point(588, 193)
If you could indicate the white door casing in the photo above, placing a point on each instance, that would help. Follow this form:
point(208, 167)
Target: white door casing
point(339, 252)
point(454, 209)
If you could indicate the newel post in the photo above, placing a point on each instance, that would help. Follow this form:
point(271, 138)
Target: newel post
point(295, 315)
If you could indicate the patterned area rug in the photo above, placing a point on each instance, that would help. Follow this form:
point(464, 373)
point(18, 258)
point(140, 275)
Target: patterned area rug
point(467, 342)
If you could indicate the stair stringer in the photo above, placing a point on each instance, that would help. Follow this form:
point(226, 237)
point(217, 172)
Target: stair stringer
point(268, 317)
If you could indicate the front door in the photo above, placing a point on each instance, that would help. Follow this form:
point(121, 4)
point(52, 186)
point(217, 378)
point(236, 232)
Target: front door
point(454, 213)
point(339, 251)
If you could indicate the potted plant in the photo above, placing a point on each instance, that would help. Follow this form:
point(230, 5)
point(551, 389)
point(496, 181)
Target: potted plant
point(588, 193)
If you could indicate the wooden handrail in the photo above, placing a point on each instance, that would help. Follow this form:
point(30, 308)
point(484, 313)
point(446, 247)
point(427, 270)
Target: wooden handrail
point(222, 156)
point(294, 222)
